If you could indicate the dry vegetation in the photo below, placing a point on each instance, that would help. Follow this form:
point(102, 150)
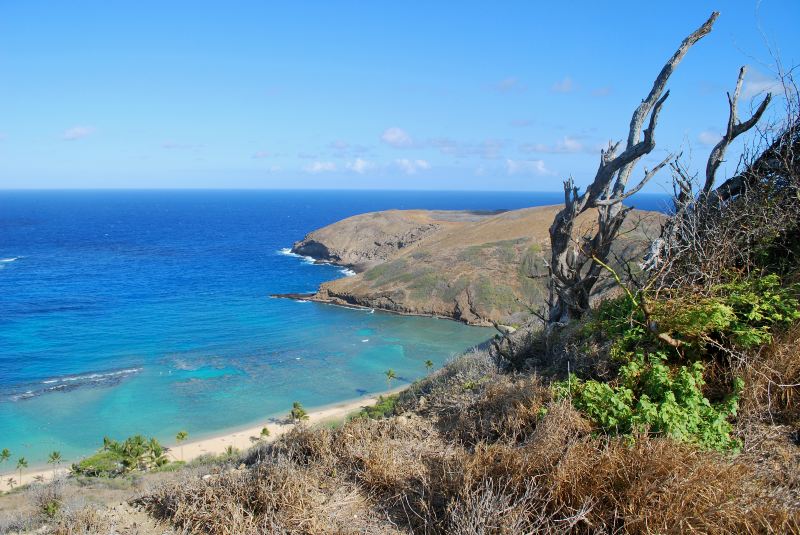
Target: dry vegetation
point(477, 450)
point(493, 443)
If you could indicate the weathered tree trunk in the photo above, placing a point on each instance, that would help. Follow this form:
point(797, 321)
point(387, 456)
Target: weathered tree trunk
point(574, 265)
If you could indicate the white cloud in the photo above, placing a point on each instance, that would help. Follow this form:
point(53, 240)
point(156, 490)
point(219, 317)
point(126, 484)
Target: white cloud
point(77, 132)
point(410, 167)
point(527, 167)
point(261, 154)
point(709, 137)
point(567, 145)
point(320, 167)
point(396, 137)
point(563, 86)
point(601, 91)
point(360, 166)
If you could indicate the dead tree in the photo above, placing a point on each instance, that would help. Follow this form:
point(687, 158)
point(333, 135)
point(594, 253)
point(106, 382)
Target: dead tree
point(698, 209)
point(574, 266)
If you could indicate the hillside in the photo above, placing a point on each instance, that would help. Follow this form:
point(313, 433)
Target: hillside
point(476, 267)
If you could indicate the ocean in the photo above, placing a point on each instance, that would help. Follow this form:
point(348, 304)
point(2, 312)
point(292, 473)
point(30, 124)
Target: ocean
point(125, 312)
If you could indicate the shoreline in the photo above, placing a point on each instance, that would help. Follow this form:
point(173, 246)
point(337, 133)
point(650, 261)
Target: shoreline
point(240, 437)
point(243, 437)
point(336, 301)
point(313, 298)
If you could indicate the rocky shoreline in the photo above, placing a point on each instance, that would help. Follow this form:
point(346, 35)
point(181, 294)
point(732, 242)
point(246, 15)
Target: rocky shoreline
point(480, 268)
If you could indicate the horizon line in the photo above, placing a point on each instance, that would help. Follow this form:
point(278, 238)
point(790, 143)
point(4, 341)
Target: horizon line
point(427, 190)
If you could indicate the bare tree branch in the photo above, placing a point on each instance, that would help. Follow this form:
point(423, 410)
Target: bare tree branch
point(576, 265)
point(735, 129)
point(655, 95)
point(647, 176)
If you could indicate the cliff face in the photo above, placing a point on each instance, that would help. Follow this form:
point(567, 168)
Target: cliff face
point(366, 240)
point(475, 267)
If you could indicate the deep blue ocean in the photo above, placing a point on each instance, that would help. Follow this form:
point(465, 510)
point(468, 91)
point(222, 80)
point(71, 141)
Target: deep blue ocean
point(126, 312)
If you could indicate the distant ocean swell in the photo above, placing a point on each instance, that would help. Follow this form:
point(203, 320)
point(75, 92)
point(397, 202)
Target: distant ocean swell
point(68, 383)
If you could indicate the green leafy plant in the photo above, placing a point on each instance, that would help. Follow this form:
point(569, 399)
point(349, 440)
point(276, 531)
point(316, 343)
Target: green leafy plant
point(114, 458)
point(759, 305)
point(654, 398)
point(382, 409)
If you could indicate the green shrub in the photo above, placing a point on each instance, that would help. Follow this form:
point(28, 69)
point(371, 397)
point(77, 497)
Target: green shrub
point(759, 305)
point(134, 453)
point(51, 508)
point(651, 397)
point(742, 314)
point(101, 464)
point(382, 409)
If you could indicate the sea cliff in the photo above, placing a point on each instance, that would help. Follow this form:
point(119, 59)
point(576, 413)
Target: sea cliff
point(478, 267)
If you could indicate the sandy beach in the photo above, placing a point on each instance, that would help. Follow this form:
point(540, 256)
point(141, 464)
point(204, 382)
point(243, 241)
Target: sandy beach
point(240, 439)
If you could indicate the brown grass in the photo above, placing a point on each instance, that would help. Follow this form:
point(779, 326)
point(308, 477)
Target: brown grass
point(773, 381)
point(503, 466)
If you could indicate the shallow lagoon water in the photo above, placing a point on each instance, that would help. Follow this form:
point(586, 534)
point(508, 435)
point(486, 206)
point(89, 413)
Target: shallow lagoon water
point(148, 312)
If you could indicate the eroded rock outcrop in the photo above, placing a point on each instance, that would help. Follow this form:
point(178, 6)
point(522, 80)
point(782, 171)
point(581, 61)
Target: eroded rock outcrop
point(480, 268)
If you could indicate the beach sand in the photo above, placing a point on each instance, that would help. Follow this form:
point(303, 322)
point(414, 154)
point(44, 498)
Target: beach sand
point(240, 439)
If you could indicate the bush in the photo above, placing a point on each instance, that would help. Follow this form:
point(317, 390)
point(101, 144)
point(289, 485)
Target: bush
point(48, 498)
point(653, 398)
point(382, 409)
point(101, 464)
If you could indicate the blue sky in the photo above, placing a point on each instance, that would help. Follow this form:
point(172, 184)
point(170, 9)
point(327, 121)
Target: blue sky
point(419, 95)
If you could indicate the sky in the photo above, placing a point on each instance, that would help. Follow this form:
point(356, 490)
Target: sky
point(363, 95)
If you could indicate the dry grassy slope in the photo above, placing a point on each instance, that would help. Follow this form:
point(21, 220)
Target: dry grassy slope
point(474, 267)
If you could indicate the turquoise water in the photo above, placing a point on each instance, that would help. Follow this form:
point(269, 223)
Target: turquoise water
point(148, 312)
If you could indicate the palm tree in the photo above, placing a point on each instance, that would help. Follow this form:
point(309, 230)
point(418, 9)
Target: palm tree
point(55, 459)
point(180, 437)
point(21, 463)
point(132, 451)
point(390, 375)
point(298, 412)
point(5, 455)
point(11, 482)
point(155, 453)
point(428, 365)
